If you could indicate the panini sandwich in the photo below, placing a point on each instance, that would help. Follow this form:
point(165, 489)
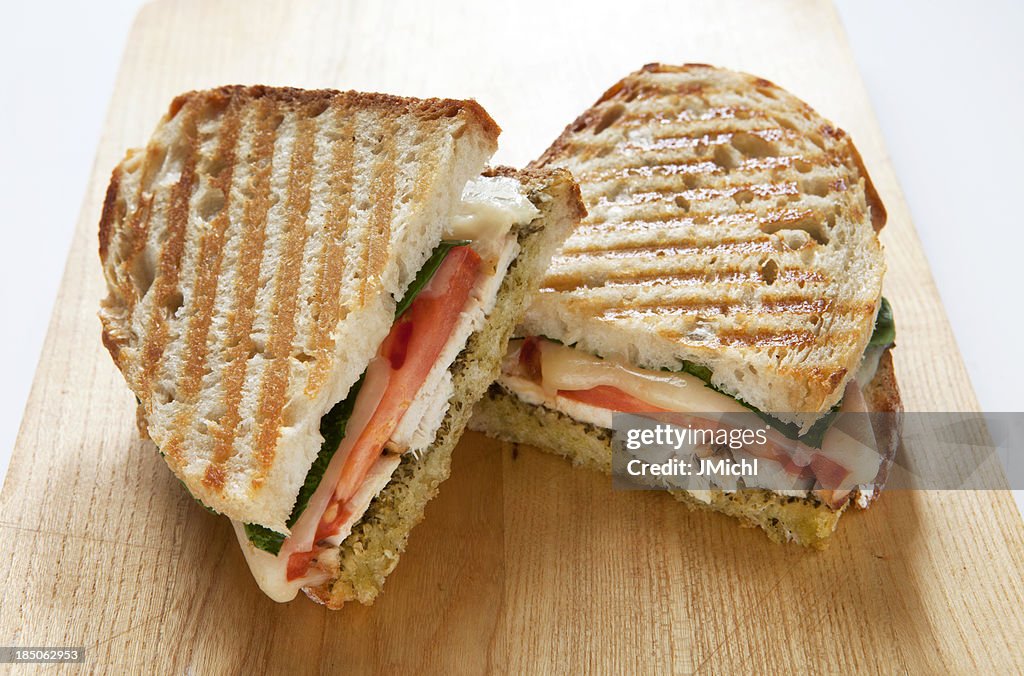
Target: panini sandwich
point(729, 263)
point(308, 290)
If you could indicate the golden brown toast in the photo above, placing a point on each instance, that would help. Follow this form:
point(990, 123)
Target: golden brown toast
point(253, 253)
point(730, 226)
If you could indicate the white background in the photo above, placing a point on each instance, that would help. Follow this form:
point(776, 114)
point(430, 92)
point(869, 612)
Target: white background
point(946, 79)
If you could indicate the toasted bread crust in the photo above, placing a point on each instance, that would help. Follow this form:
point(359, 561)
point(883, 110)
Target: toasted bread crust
point(432, 108)
point(806, 521)
point(882, 395)
point(253, 252)
point(730, 225)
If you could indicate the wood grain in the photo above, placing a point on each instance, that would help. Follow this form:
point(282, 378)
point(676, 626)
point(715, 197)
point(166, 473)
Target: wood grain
point(523, 565)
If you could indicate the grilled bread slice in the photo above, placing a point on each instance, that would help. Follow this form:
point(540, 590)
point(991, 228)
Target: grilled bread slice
point(253, 252)
point(370, 553)
point(730, 226)
point(785, 518)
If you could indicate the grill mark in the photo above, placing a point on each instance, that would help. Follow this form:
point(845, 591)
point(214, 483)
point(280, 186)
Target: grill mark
point(711, 137)
point(769, 338)
point(673, 219)
point(760, 189)
point(595, 221)
point(734, 218)
point(764, 339)
point(126, 287)
point(792, 305)
point(566, 283)
point(426, 169)
point(274, 385)
point(204, 285)
point(692, 139)
point(211, 255)
point(670, 168)
point(134, 238)
point(681, 247)
point(113, 212)
point(689, 165)
point(688, 116)
point(138, 231)
point(328, 306)
point(378, 235)
point(169, 266)
point(790, 338)
point(671, 84)
point(239, 331)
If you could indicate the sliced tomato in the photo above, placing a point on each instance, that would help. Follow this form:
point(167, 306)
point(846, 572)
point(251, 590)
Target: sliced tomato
point(611, 398)
point(328, 527)
point(410, 351)
point(299, 563)
point(529, 359)
point(403, 361)
point(828, 472)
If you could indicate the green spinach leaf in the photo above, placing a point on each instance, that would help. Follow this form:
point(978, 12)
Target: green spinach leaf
point(427, 272)
point(332, 429)
point(264, 538)
point(885, 326)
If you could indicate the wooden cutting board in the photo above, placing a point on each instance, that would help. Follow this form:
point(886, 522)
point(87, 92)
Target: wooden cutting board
point(523, 563)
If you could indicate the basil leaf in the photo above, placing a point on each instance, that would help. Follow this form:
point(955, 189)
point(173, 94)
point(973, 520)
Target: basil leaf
point(813, 437)
point(332, 429)
point(702, 372)
point(427, 272)
point(264, 538)
point(885, 326)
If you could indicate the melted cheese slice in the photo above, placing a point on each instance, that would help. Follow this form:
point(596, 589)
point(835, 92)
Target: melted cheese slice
point(567, 368)
point(490, 206)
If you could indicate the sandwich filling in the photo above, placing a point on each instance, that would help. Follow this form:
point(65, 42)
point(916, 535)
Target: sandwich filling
point(401, 400)
point(825, 461)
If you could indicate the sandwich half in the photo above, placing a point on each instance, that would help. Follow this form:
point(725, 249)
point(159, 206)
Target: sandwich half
point(729, 262)
point(308, 290)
